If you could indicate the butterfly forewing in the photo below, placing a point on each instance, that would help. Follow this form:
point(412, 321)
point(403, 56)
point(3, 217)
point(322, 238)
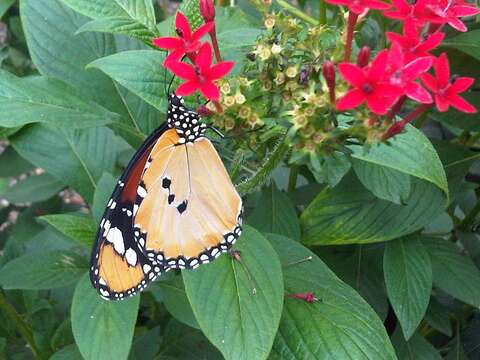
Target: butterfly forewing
point(118, 267)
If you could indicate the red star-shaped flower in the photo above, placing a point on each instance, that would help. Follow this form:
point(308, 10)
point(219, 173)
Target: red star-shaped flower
point(413, 44)
point(370, 85)
point(359, 6)
point(202, 75)
point(187, 42)
point(446, 89)
point(449, 12)
point(415, 11)
point(403, 74)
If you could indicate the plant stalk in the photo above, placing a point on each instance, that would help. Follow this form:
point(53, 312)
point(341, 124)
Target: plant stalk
point(351, 22)
point(297, 12)
point(323, 13)
point(292, 178)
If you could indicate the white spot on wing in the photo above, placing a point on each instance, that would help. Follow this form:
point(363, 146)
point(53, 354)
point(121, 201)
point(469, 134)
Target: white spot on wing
point(116, 238)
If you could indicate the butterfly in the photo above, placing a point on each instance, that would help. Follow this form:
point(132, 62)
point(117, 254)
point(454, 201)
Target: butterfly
point(174, 207)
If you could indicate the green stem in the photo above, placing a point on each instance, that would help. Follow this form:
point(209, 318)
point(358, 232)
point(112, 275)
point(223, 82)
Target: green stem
point(469, 220)
point(292, 178)
point(322, 20)
point(297, 12)
point(21, 325)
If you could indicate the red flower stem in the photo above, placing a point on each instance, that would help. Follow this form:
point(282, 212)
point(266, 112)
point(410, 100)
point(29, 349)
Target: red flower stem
point(218, 106)
point(216, 49)
point(351, 22)
point(396, 108)
point(397, 127)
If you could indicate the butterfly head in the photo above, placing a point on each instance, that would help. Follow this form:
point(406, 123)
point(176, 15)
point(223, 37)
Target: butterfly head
point(186, 122)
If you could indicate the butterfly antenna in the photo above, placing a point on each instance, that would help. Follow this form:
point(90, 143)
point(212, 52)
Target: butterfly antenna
point(237, 256)
point(216, 131)
point(170, 85)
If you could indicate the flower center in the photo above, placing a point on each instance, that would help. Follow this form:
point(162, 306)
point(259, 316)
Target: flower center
point(201, 79)
point(179, 32)
point(367, 88)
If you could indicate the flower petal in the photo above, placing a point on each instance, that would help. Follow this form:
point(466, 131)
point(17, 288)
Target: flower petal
point(461, 84)
point(376, 4)
point(442, 70)
point(378, 66)
point(461, 104)
point(430, 82)
point(414, 69)
point(203, 59)
point(441, 102)
point(168, 43)
point(182, 70)
point(431, 42)
point(203, 30)
point(187, 88)
point(181, 23)
point(210, 91)
point(378, 104)
point(350, 100)
point(417, 93)
point(464, 10)
point(352, 73)
point(457, 24)
point(219, 70)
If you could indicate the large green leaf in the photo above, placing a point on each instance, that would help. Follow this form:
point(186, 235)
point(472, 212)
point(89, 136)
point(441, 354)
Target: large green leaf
point(276, 214)
point(4, 6)
point(42, 270)
point(103, 192)
point(408, 277)
point(383, 182)
point(340, 325)
point(12, 164)
point(468, 42)
point(102, 329)
point(77, 227)
point(238, 304)
point(96, 8)
point(417, 348)
point(76, 157)
point(32, 189)
point(350, 214)
point(140, 10)
point(410, 153)
point(57, 52)
point(119, 25)
point(453, 272)
point(147, 81)
point(40, 99)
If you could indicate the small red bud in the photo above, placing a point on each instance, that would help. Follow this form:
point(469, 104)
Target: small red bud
point(307, 297)
point(363, 56)
point(395, 129)
point(328, 72)
point(204, 111)
point(207, 10)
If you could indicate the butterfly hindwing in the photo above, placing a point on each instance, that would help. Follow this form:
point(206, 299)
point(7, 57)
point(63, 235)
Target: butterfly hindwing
point(118, 266)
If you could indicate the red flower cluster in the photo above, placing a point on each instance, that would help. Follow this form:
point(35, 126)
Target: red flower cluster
point(401, 72)
point(200, 74)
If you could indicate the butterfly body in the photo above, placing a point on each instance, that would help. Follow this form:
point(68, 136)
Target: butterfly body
point(173, 208)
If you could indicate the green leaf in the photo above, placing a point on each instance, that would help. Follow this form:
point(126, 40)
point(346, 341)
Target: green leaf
point(410, 153)
point(408, 277)
point(453, 272)
point(76, 157)
point(102, 329)
point(349, 214)
point(330, 169)
point(140, 10)
point(238, 304)
point(31, 100)
point(417, 348)
point(147, 81)
point(118, 25)
point(275, 213)
point(437, 317)
point(96, 8)
point(77, 227)
point(69, 352)
point(103, 192)
point(12, 164)
point(468, 43)
point(4, 6)
point(32, 189)
point(340, 325)
point(45, 270)
point(385, 183)
point(57, 52)
point(191, 9)
point(176, 301)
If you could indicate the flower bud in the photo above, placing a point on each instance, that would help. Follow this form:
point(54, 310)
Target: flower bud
point(328, 71)
point(363, 56)
point(207, 10)
point(204, 111)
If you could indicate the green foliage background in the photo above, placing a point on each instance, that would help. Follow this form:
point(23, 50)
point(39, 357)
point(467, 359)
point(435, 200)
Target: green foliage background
point(387, 244)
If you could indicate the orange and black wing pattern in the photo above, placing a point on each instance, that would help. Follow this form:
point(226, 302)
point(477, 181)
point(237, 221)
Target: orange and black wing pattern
point(187, 210)
point(118, 267)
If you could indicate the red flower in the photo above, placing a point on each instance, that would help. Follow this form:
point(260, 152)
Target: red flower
point(359, 6)
point(404, 74)
point(308, 297)
point(202, 74)
point(369, 84)
point(449, 11)
point(413, 10)
point(446, 89)
point(415, 45)
point(187, 43)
